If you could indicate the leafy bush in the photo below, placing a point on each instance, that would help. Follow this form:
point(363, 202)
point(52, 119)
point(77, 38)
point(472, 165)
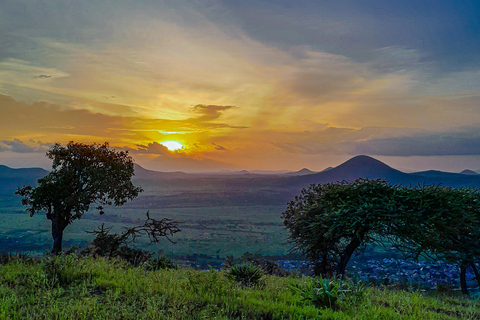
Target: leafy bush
point(327, 293)
point(320, 292)
point(256, 260)
point(161, 262)
point(136, 257)
point(247, 275)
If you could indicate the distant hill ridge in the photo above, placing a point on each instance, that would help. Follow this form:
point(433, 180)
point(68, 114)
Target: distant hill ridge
point(470, 172)
point(302, 172)
point(7, 172)
point(11, 179)
point(367, 167)
point(361, 166)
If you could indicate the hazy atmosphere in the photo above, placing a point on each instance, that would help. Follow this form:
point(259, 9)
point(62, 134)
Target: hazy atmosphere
point(231, 85)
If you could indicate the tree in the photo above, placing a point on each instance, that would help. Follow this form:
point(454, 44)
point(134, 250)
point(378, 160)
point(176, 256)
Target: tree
point(443, 223)
point(82, 175)
point(328, 223)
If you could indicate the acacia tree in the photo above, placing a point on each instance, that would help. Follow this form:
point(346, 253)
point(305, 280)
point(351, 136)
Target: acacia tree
point(82, 175)
point(328, 223)
point(443, 223)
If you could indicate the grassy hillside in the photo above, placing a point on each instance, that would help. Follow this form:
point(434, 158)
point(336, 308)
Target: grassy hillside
point(68, 287)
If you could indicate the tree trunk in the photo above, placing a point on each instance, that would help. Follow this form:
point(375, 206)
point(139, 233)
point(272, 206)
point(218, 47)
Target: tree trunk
point(320, 268)
point(463, 278)
point(347, 254)
point(477, 275)
point(57, 234)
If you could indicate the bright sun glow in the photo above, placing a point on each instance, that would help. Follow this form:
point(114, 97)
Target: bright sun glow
point(172, 145)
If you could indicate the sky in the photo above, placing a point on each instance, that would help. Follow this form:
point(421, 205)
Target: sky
point(251, 84)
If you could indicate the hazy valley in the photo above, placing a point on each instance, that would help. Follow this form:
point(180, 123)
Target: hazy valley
point(221, 214)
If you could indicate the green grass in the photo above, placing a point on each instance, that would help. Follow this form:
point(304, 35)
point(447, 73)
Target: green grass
point(68, 287)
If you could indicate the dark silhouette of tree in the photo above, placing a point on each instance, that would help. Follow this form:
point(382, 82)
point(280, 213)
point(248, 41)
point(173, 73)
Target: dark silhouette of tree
point(82, 175)
point(328, 223)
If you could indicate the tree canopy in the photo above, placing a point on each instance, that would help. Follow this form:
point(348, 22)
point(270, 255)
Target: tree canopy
point(330, 222)
point(82, 175)
point(443, 223)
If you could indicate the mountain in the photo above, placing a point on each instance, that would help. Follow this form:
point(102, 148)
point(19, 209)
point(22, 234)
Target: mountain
point(11, 179)
point(24, 173)
point(142, 173)
point(448, 178)
point(260, 186)
point(358, 167)
point(470, 172)
point(368, 167)
point(436, 174)
point(302, 172)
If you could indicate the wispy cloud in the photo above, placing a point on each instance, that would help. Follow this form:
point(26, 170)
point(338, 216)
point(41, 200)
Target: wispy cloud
point(17, 146)
point(235, 85)
point(455, 143)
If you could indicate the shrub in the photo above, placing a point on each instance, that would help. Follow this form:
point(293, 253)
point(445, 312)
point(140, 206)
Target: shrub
point(247, 275)
point(161, 262)
point(327, 293)
point(319, 291)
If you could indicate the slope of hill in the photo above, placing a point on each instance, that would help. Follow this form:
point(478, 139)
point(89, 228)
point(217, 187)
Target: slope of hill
point(142, 173)
point(24, 173)
point(11, 179)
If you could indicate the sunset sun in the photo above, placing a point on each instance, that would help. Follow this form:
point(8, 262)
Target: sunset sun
point(172, 145)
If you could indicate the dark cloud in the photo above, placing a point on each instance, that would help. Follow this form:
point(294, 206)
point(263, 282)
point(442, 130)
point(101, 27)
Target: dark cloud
point(42, 76)
point(464, 143)
point(209, 112)
point(351, 27)
point(50, 121)
point(219, 147)
point(151, 148)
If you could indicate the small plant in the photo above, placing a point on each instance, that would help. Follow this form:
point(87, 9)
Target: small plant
point(60, 271)
point(327, 293)
point(247, 275)
point(353, 291)
point(320, 292)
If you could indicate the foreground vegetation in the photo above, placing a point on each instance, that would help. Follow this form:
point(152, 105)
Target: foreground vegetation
point(72, 287)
